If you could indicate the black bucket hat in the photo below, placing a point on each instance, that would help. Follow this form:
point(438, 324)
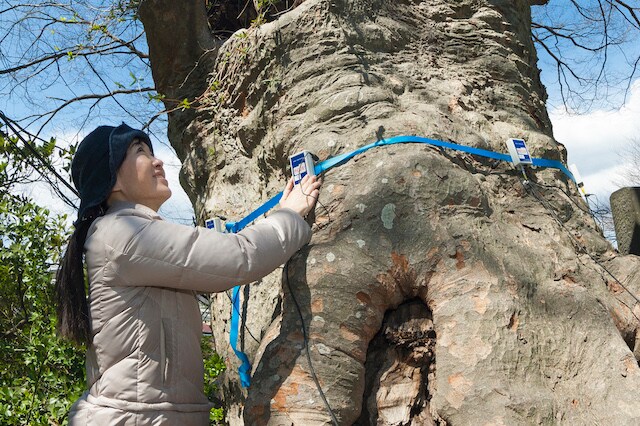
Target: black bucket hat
point(96, 162)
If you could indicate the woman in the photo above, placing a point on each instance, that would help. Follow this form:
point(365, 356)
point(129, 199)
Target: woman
point(141, 322)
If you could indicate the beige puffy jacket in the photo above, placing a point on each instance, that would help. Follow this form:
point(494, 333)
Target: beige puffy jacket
point(145, 366)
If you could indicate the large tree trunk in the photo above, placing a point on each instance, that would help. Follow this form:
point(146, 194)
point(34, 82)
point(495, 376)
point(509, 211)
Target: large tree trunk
point(436, 289)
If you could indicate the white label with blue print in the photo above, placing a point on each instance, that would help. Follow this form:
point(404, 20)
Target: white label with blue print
point(216, 224)
point(301, 165)
point(519, 152)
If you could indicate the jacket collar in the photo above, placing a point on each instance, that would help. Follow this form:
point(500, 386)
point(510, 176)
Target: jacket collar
point(121, 205)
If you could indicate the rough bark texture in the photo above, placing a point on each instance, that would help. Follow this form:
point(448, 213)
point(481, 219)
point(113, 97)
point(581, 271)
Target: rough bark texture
point(436, 289)
point(625, 208)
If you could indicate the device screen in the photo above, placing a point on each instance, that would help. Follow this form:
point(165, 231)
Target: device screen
point(298, 167)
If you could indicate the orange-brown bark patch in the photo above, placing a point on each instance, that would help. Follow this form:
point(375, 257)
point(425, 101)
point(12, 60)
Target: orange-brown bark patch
point(363, 298)
point(459, 259)
point(295, 336)
point(615, 287)
point(337, 190)
point(400, 262)
point(328, 269)
point(349, 334)
point(289, 388)
point(317, 306)
point(514, 321)
point(631, 365)
point(401, 270)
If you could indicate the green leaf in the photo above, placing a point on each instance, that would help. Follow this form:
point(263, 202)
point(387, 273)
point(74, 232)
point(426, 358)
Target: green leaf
point(185, 104)
point(48, 147)
point(158, 97)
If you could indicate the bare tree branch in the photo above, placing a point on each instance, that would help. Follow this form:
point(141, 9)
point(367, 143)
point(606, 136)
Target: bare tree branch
point(57, 56)
point(44, 41)
point(41, 165)
point(556, 32)
point(97, 97)
point(633, 12)
point(593, 28)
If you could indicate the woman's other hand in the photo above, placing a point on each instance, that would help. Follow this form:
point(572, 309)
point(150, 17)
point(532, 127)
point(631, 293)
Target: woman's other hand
point(301, 198)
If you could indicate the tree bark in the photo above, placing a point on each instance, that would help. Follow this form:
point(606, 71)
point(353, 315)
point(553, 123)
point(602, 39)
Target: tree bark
point(182, 53)
point(437, 288)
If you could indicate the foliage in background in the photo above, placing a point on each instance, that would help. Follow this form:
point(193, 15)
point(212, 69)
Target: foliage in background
point(40, 375)
point(213, 366)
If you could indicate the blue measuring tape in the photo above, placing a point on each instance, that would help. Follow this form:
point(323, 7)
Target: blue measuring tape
point(245, 368)
point(343, 158)
point(338, 160)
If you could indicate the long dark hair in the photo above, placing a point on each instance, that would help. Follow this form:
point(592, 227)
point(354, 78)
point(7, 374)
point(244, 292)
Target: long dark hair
point(70, 289)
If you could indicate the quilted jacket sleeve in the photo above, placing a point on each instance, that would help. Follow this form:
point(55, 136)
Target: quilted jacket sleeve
point(142, 251)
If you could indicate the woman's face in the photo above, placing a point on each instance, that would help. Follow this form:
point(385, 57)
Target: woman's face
point(141, 178)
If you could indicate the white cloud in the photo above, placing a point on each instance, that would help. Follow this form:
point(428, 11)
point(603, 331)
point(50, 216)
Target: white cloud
point(596, 141)
point(42, 194)
point(178, 208)
point(603, 183)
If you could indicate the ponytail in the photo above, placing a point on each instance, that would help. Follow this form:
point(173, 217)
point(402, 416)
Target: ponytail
point(70, 293)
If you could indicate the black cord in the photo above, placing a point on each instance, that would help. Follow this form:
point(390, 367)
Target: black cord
point(589, 211)
point(303, 327)
point(244, 325)
point(598, 213)
point(319, 202)
point(306, 345)
point(526, 183)
point(208, 303)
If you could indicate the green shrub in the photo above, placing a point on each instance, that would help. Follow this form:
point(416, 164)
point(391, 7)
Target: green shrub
point(40, 375)
point(213, 366)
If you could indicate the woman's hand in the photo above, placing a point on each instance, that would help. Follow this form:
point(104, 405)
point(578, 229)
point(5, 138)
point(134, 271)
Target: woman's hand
point(301, 198)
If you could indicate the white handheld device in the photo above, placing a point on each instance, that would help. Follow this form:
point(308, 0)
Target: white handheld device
point(216, 224)
point(519, 152)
